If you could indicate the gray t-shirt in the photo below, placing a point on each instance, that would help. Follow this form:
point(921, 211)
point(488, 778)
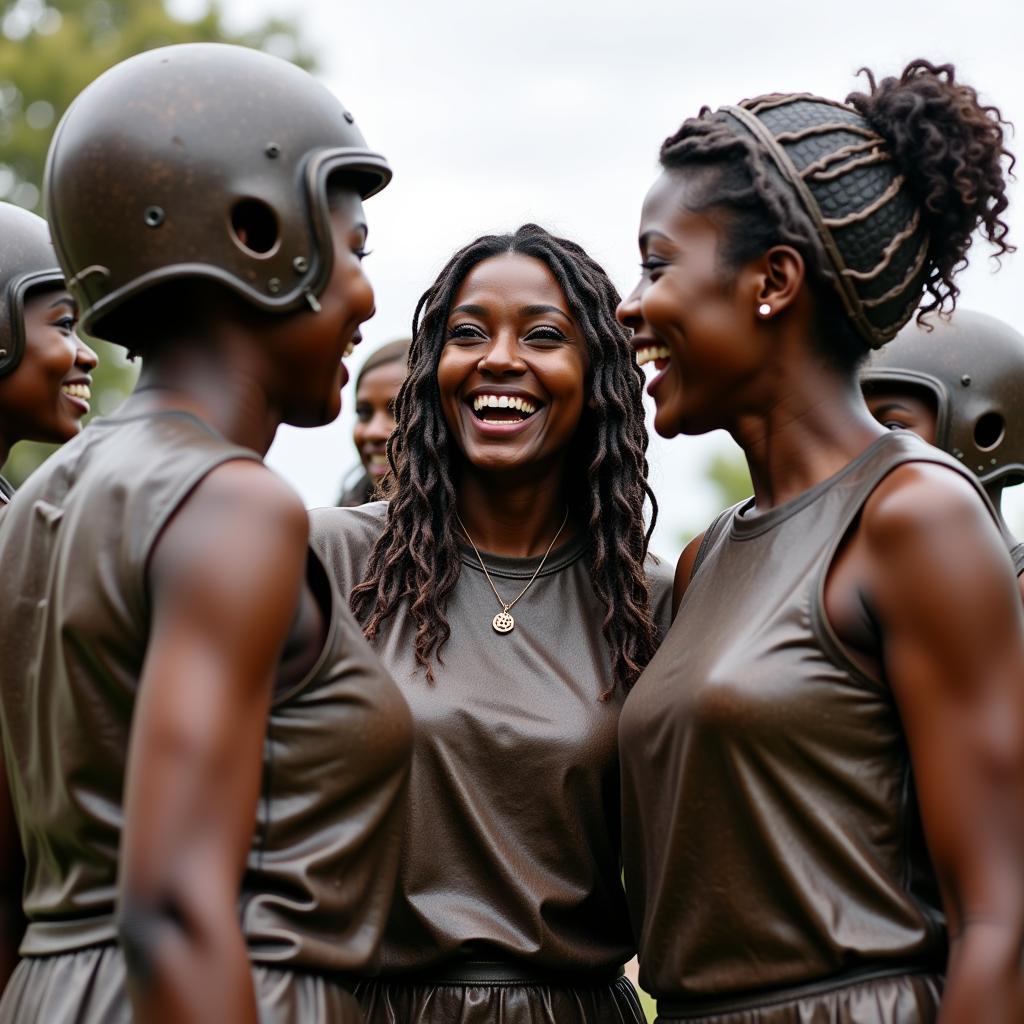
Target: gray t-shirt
point(512, 844)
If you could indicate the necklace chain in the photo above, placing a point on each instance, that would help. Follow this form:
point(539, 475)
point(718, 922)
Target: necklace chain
point(503, 622)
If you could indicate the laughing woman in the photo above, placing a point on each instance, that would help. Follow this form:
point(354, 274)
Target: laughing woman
point(823, 766)
point(505, 589)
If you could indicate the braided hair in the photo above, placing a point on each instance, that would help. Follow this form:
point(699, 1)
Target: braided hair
point(880, 195)
point(417, 558)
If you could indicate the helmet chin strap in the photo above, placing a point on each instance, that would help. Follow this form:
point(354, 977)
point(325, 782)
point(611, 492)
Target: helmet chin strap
point(314, 303)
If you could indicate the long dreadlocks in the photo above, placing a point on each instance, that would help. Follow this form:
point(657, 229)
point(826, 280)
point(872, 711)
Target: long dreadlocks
point(417, 558)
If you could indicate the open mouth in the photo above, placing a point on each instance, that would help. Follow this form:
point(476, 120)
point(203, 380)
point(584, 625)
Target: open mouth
point(80, 391)
point(377, 463)
point(650, 353)
point(503, 408)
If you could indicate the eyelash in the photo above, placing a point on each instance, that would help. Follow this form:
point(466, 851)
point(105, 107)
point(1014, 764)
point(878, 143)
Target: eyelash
point(649, 266)
point(361, 254)
point(66, 323)
point(472, 331)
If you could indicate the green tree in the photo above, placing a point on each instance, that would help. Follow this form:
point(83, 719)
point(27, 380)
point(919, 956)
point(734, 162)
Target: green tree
point(730, 479)
point(49, 51)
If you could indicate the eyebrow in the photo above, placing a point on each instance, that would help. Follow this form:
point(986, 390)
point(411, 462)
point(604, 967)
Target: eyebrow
point(540, 309)
point(648, 236)
point(64, 300)
point(890, 405)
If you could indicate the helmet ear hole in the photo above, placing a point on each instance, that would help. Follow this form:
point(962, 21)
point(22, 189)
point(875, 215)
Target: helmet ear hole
point(989, 431)
point(254, 227)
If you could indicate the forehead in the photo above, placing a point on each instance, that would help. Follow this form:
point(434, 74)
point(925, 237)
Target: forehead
point(670, 208)
point(385, 376)
point(513, 280)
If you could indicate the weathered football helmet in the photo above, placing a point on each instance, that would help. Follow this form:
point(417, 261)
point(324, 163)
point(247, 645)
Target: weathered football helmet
point(27, 260)
point(201, 161)
point(973, 364)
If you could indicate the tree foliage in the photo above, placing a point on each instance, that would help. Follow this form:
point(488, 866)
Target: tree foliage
point(49, 51)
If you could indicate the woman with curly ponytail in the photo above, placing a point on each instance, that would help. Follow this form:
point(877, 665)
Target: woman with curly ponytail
point(823, 765)
point(506, 587)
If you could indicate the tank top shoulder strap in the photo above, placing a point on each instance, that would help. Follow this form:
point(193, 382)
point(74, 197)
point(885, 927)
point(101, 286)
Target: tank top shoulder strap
point(900, 448)
point(716, 530)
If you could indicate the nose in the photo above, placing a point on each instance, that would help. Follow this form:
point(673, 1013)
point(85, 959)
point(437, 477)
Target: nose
point(502, 357)
point(85, 358)
point(628, 310)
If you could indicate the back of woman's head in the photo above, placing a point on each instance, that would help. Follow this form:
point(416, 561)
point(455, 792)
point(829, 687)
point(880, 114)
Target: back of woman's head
point(418, 556)
point(881, 195)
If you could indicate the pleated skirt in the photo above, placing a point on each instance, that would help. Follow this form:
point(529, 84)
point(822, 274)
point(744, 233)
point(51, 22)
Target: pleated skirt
point(392, 1001)
point(895, 999)
point(88, 987)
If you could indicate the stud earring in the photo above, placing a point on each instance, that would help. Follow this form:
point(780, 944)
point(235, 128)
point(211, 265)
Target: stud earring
point(764, 309)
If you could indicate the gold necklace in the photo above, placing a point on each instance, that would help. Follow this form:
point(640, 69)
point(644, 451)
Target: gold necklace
point(503, 621)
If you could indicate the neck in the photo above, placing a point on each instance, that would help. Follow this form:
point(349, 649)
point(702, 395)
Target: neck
point(513, 514)
point(221, 383)
point(813, 425)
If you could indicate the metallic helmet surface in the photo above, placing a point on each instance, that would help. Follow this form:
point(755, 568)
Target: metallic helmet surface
point(155, 164)
point(973, 364)
point(27, 260)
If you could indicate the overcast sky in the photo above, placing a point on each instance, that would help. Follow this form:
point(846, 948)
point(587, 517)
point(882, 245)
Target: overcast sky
point(495, 113)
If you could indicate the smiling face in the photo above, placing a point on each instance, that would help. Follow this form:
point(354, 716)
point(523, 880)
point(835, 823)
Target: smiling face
point(903, 408)
point(692, 316)
point(45, 398)
point(375, 415)
point(308, 346)
point(512, 374)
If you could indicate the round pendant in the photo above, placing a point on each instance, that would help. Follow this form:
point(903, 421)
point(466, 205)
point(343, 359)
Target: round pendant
point(503, 623)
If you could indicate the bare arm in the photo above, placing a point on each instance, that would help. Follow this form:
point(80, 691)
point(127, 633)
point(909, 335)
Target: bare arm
point(225, 580)
point(684, 570)
point(953, 650)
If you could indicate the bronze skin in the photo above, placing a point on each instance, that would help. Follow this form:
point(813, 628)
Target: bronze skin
point(737, 348)
point(47, 396)
point(375, 416)
point(512, 338)
point(44, 399)
point(232, 613)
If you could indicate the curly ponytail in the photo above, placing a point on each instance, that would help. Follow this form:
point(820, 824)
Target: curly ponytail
point(950, 147)
point(880, 195)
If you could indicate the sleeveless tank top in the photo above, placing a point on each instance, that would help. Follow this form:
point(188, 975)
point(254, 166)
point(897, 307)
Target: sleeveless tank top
point(512, 846)
point(771, 834)
point(73, 600)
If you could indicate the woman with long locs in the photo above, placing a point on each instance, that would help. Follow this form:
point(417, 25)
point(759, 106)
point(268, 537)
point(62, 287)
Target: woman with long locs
point(207, 762)
point(823, 765)
point(505, 588)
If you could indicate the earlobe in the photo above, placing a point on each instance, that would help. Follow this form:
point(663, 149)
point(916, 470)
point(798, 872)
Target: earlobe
point(783, 271)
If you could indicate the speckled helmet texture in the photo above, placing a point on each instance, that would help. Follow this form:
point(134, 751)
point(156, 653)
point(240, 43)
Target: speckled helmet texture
point(973, 366)
point(27, 260)
point(156, 162)
point(846, 181)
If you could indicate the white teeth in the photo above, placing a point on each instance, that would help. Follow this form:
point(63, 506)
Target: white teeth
point(503, 402)
point(349, 349)
point(378, 460)
point(82, 391)
point(649, 353)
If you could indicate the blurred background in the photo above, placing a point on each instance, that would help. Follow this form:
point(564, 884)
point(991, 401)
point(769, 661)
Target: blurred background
point(498, 113)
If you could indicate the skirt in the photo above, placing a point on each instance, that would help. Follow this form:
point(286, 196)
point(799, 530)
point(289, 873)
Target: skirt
point(882, 998)
point(480, 993)
point(88, 987)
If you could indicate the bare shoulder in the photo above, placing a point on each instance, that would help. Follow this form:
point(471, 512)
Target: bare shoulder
point(917, 501)
point(684, 570)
